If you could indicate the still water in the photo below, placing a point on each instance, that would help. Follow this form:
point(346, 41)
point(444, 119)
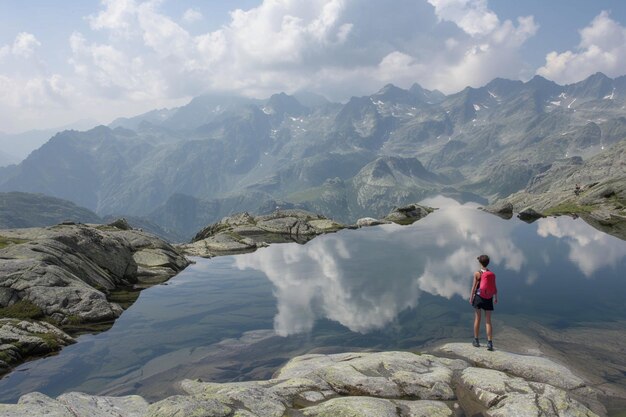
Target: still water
point(385, 287)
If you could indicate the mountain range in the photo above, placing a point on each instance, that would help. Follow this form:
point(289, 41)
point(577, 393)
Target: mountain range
point(185, 167)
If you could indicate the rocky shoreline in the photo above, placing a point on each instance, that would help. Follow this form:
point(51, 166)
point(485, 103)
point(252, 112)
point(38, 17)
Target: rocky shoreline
point(457, 379)
point(243, 233)
point(594, 190)
point(72, 277)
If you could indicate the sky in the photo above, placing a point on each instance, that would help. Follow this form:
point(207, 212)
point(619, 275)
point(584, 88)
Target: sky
point(70, 60)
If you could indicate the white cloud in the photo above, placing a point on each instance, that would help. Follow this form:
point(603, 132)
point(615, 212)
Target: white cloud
point(602, 48)
point(116, 17)
point(192, 15)
point(25, 44)
point(136, 56)
point(590, 250)
point(473, 16)
point(323, 45)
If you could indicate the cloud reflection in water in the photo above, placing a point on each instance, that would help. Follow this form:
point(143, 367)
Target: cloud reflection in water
point(590, 249)
point(363, 279)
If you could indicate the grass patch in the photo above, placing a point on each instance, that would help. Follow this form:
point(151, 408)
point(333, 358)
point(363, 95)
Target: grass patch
point(50, 339)
point(5, 357)
point(568, 208)
point(74, 320)
point(6, 241)
point(21, 310)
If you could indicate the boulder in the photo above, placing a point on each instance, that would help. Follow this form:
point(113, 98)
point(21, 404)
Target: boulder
point(242, 232)
point(370, 221)
point(383, 374)
point(22, 339)
point(506, 396)
point(408, 214)
point(532, 368)
point(121, 224)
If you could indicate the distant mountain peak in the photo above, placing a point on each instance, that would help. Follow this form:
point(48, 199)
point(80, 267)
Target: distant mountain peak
point(282, 104)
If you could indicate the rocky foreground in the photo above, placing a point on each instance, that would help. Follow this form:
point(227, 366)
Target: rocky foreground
point(459, 380)
point(69, 275)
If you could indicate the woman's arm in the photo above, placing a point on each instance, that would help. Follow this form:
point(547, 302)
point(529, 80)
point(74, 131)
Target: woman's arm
point(474, 286)
point(495, 294)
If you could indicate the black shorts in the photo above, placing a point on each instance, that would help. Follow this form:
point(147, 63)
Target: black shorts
point(484, 303)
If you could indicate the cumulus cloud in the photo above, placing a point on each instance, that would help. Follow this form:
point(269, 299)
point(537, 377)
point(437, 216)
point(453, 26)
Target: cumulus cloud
point(474, 17)
point(23, 46)
point(323, 45)
point(134, 55)
point(192, 15)
point(602, 48)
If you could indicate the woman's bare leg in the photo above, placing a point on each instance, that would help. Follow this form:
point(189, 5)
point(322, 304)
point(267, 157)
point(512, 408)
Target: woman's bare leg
point(488, 324)
point(476, 322)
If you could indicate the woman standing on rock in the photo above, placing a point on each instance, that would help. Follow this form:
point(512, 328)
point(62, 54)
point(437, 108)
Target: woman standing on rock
point(483, 295)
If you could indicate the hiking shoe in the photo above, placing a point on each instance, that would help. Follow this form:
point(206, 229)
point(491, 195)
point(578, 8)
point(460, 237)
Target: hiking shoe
point(489, 345)
point(475, 343)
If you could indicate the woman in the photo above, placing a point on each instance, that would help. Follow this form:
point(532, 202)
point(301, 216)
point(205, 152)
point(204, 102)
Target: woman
point(482, 297)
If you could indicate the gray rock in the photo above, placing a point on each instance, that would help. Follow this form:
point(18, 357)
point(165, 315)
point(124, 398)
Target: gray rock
point(505, 396)
point(22, 339)
point(121, 224)
point(75, 405)
point(370, 221)
point(533, 368)
point(66, 271)
point(95, 406)
point(377, 407)
point(255, 397)
point(408, 214)
point(183, 406)
point(383, 374)
point(395, 384)
point(242, 232)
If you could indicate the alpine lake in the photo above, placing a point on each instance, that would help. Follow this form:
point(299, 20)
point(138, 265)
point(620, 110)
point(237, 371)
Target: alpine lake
point(561, 285)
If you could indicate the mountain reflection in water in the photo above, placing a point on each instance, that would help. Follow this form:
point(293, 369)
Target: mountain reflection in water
point(384, 287)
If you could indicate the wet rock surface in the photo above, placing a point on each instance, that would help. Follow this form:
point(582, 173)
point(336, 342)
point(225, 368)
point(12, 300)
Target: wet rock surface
point(243, 232)
point(357, 384)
